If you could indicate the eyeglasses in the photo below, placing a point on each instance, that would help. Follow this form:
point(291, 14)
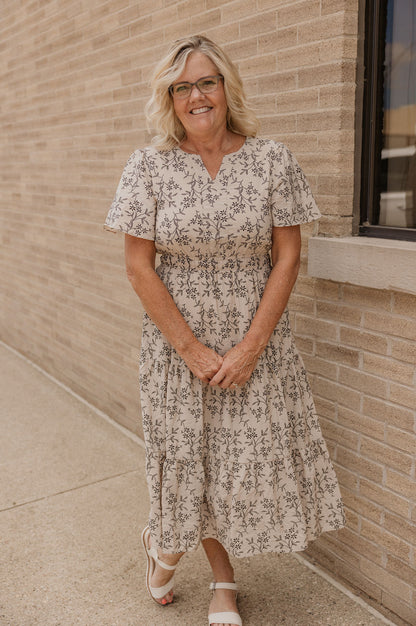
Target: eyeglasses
point(206, 84)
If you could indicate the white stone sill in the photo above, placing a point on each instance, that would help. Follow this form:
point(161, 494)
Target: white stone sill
point(364, 261)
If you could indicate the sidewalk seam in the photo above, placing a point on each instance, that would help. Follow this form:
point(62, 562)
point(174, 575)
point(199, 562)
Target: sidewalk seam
point(59, 493)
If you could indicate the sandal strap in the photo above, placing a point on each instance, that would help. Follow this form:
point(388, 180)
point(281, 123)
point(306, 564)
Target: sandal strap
point(228, 617)
point(153, 553)
point(160, 592)
point(163, 564)
point(232, 586)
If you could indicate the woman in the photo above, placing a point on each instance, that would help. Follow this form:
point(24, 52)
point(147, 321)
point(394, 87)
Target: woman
point(234, 453)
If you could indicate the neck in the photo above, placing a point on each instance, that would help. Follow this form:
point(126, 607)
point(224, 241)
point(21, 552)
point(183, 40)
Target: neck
point(222, 142)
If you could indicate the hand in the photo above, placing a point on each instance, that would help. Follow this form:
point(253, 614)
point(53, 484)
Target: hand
point(202, 361)
point(237, 367)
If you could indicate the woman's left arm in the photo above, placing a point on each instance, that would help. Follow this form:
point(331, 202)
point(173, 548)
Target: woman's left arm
point(240, 361)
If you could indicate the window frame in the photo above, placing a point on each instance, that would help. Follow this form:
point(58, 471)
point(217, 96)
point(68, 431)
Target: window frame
point(374, 46)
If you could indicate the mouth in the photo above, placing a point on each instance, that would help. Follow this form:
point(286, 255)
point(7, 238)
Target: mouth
point(200, 110)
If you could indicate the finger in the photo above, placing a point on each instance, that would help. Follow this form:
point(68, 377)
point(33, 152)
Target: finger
point(218, 378)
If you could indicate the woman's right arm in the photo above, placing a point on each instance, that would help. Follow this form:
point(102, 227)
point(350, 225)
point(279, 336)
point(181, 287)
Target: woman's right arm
point(140, 257)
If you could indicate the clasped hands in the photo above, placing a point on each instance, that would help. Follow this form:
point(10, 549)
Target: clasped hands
point(231, 370)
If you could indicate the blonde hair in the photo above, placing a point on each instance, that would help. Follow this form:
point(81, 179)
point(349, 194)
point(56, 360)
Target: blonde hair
point(159, 109)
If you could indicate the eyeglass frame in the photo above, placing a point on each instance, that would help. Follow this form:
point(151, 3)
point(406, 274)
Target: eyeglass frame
point(192, 85)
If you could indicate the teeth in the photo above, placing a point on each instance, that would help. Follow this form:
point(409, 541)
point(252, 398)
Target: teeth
point(201, 110)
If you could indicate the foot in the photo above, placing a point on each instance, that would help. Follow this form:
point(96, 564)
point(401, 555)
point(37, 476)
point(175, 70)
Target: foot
point(162, 576)
point(223, 600)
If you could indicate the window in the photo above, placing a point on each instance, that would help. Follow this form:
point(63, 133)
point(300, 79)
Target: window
point(388, 189)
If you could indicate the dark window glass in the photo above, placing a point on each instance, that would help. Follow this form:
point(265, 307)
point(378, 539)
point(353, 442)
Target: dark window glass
point(389, 150)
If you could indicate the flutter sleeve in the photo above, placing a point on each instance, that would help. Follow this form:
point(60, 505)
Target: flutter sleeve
point(290, 195)
point(133, 210)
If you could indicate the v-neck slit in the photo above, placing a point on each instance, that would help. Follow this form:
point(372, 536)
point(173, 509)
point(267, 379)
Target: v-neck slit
point(199, 158)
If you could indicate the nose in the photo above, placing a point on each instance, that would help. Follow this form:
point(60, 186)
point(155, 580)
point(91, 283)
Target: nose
point(194, 89)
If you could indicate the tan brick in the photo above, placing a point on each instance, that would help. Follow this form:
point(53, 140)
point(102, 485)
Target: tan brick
point(333, 6)
point(278, 39)
point(326, 120)
point(403, 610)
point(337, 433)
point(402, 528)
point(336, 393)
point(189, 8)
point(258, 65)
point(303, 304)
point(298, 12)
point(241, 49)
point(391, 457)
point(327, 290)
point(269, 4)
point(401, 569)
point(360, 545)
point(364, 340)
point(298, 57)
point(378, 535)
point(360, 423)
point(338, 353)
point(297, 100)
point(205, 20)
point(401, 439)
point(325, 408)
point(384, 497)
point(342, 183)
point(342, 550)
point(331, 96)
point(367, 298)
point(389, 413)
point(315, 365)
point(236, 11)
point(335, 205)
point(348, 572)
point(327, 73)
point(405, 304)
point(305, 345)
point(403, 395)
point(392, 325)
point(403, 351)
point(385, 580)
point(261, 23)
point(273, 125)
point(316, 328)
point(402, 485)
point(388, 368)
point(338, 313)
point(361, 465)
point(321, 28)
point(363, 382)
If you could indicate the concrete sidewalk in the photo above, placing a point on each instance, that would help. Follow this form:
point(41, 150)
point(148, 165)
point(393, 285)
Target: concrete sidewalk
point(73, 501)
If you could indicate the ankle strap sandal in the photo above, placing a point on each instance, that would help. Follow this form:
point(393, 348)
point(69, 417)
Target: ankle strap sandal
point(226, 617)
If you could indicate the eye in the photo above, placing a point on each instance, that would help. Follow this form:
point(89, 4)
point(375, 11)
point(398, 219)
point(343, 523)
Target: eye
point(207, 82)
point(183, 88)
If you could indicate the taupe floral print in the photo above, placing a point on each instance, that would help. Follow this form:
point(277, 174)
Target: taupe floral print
point(247, 466)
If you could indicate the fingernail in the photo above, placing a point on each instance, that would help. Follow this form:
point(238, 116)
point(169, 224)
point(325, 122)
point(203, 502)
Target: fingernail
point(164, 601)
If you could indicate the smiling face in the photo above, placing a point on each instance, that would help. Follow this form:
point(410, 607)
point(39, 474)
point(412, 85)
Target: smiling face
point(202, 115)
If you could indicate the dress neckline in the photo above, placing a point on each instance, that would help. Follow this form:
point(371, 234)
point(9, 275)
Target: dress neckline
point(228, 154)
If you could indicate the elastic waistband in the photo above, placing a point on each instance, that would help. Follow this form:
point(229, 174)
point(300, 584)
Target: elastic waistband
point(214, 263)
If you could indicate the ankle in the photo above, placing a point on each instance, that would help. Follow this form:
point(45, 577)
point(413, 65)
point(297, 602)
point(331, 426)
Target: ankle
point(170, 559)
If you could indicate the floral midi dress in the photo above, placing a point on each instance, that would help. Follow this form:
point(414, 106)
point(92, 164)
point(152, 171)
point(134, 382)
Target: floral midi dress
point(247, 466)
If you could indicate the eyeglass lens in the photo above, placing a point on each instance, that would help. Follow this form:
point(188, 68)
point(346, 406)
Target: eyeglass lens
point(205, 85)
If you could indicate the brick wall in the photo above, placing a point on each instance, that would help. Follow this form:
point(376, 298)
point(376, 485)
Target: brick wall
point(74, 82)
